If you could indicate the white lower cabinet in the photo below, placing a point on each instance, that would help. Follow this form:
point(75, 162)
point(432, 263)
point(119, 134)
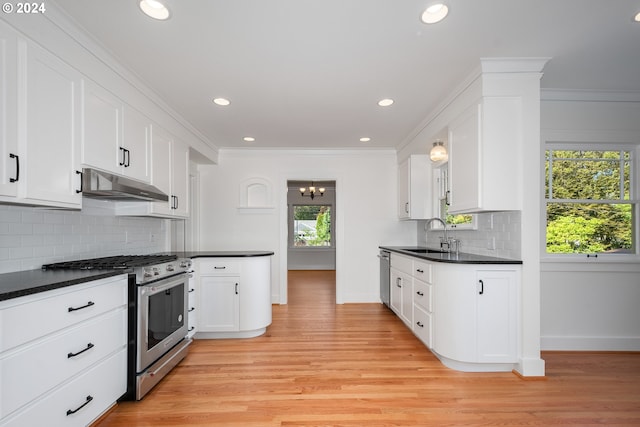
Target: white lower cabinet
point(234, 296)
point(68, 369)
point(467, 314)
point(476, 324)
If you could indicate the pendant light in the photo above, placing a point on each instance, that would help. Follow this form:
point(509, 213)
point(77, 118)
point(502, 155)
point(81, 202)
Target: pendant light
point(438, 152)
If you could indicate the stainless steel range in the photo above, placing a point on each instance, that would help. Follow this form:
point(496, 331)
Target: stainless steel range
point(158, 287)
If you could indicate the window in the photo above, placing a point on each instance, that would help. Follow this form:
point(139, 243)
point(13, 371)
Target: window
point(465, 221)
point(589, 204)
point(311, 225)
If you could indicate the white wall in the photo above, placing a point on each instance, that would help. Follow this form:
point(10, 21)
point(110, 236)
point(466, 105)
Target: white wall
point(365, 211)
point(590, 304)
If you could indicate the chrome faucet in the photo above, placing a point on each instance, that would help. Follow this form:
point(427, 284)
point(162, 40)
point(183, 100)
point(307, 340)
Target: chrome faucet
point(444, 241)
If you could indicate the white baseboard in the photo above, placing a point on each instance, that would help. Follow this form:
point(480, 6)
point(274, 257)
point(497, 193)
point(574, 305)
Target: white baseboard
point(590, 343)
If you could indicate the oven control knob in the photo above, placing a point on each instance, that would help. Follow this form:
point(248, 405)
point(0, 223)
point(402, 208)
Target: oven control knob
point(148, 274)
point(170, 267)
point(185, 264)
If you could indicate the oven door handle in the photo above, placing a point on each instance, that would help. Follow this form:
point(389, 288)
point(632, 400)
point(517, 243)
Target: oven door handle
point(163, 284)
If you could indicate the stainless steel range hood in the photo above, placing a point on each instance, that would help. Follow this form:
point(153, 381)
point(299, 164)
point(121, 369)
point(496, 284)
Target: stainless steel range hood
point(107, 186)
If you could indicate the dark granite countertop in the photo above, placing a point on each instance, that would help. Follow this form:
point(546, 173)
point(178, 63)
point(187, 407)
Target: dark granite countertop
point(222, 254)
point(461, 258)
point(21, 283)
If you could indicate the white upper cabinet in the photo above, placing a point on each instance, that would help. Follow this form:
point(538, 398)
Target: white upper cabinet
point(414, 188)
point(10, 160)
point(40, 118)
point(116, 136)
point(484, 157)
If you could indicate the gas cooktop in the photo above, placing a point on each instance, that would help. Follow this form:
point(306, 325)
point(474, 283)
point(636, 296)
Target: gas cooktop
point(111, 262)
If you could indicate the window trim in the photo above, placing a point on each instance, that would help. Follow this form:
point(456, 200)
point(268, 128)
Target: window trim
point(634, 200)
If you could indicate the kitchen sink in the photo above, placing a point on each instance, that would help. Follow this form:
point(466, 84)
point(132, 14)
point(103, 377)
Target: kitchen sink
point(425, 251)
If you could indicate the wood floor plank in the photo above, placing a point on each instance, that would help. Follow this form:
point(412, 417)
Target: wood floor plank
point(322, 364)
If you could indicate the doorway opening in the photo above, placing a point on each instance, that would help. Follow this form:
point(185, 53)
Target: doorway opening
point(311, 236)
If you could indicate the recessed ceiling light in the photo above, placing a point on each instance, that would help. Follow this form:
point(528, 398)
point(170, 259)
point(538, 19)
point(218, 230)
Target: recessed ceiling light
point(365, 139)
point(154, 9)
point(385, 102)
point(248, 139)
point(435, 13)
point(221, 101)
point(637, 17)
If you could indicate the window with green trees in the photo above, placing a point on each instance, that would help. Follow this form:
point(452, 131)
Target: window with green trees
point(589, 201)
point(312, 225)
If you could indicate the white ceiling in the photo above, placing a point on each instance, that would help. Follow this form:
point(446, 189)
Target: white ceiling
point(303, 73)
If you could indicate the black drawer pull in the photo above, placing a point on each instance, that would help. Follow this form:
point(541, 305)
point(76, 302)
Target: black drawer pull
point(191, 329)
point(419, 270)
point(89, 347)
point(420, 293)
point(17, 178)
point(420, 324)
point(89, 304)
point(191, 290)
point(219, 268)
point(81, 182)
point(89, 399)
point(191, 309)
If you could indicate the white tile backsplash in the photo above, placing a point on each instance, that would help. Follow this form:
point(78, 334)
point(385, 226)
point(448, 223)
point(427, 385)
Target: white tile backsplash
point(497, 234)
point(30, 237)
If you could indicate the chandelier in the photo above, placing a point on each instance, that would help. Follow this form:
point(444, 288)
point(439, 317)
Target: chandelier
point(312, 191)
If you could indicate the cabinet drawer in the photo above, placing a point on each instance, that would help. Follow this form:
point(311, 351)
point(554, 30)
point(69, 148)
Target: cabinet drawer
point(422, 325)
point(219, 267)
point(422, 271)
point(39, 367)
point(401, 263)
point(27, 318)
point(422, 295)
point(101, 386)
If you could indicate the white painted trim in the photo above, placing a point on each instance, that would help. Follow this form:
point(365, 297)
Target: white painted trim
point(569, 343)
point(589, 96)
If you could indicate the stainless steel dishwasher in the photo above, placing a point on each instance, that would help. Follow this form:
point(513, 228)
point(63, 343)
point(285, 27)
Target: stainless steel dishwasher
point(385, 265)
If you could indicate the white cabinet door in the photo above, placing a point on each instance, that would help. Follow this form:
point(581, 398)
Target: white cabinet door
point(454, 334)
point(255, 295)
point(403, 190)
point(395, 297)
point(135, 145)
point(497, 311)
point(10, 160)
point(219, 304)
point(102, 129)
point(180, 180)
point(51, 134)
point(161, 167)
point(414, 188)
point(464, 154)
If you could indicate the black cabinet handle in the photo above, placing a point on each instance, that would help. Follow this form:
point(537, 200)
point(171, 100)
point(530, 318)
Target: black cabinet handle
point(191, 329)
point(219, 268)
point(128, 154)
point(81, 181)
point(446, 198)
point(191, 290)
point(15, 156)
point(122, 155)
point(420, 293)
point(419, 270)
point(89, 399)
point(420, 324)
point(399, 282)
point(88, 304)
point(481, 287)
point(89, 347)
point(193, 308)
point(174, 203)
point(236, 289)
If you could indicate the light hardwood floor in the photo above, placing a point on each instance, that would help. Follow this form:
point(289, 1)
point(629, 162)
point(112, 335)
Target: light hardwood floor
point(321, 364)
